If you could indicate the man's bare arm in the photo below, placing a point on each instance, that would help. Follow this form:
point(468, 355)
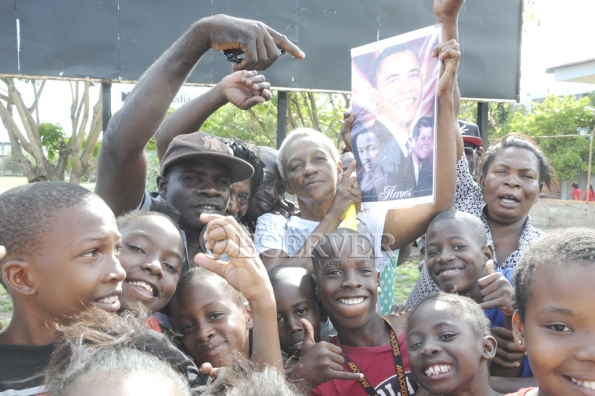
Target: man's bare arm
point(122, 164)
point(243, 89)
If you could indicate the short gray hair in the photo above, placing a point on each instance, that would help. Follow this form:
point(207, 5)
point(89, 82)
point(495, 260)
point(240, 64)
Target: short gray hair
point(310, 133)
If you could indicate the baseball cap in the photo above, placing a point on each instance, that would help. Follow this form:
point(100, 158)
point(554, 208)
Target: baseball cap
point(470, 133)
point(201, 145)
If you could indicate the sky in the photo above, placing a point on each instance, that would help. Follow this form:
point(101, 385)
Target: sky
point(560, 33)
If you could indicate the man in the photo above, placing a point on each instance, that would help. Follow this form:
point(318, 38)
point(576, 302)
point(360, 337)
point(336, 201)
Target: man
point(397, 90)
point(473, 145)
point(423, 156)
point(197, 169)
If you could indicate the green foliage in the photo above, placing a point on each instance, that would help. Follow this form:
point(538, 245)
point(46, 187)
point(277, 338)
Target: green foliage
point(52, 138)
point(405, 279)
point(559, 116)
point(320, 111)
point(152, 171)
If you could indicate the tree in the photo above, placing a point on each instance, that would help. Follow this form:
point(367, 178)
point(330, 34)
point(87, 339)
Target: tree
point(28, 144)
point(321, 111)
point(558, 116)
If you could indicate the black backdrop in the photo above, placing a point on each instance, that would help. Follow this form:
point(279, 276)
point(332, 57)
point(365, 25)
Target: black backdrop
point(118, 39)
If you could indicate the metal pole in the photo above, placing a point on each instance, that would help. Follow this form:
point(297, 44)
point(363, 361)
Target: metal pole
point(588, 192)
point(483, 122)
point(281, 117)
point(106, 105)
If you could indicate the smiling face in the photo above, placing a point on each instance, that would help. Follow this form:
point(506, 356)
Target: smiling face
point(424, 143)
point(559, 329)
point(369, 148)
point(399, 85)
point(455, 257)
point(295, 300)
point(311, 171)
point(211, 324)
point(446, 355)
point(79, 265)
point(347, 283)
point(238, 201)
point(152, 258)
point(511, 185)
point(195, 187)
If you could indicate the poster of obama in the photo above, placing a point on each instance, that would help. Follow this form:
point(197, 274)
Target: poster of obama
point(394, 85)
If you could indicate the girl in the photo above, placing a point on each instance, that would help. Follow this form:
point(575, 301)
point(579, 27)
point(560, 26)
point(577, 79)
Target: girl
point(555, 320)
point(152, 255)
point(450, 346)
point(214, 309)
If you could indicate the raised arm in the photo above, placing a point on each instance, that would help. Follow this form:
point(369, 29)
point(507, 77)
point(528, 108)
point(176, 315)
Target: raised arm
point(122, 164)
point(447, 13)
point(245, 272)
point(407, 224)
point(244, 89)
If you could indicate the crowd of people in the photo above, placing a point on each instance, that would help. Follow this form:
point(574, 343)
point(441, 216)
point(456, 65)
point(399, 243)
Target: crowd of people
point(215, 284)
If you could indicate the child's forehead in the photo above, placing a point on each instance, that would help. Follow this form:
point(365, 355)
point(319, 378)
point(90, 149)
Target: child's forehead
point(338, 262)
point(450, 228)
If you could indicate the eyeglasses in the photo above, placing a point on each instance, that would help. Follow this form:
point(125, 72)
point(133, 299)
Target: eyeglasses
point(470, 151)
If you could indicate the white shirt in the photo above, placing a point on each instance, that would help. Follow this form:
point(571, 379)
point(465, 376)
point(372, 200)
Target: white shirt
point(275, 232)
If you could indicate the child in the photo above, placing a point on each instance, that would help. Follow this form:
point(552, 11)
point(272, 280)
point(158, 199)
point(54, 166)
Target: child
point(62, 246)
point(457, 257)
point(106, 354)
point(450, 345)
point(555, 320)
point(214, 310)
point(152, 255)
point(459, 261)
point(347, 285)
point(212, 317)
point(294, 294)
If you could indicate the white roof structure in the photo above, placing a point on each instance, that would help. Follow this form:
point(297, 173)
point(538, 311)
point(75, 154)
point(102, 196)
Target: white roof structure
point(581, 72)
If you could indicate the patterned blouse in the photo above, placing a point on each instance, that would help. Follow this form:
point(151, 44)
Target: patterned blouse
point(469, 199)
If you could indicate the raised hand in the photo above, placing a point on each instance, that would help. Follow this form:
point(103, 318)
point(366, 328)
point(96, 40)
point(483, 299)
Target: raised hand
point(319, 362)
point(244, 271)
point(348, 118)
point(245, 89)
point(447, 8)
point(508, 354)
point(399, 310)
point(348, 192)
point(286, 208)
point(260, 43)
point(449, 53)
point(496, 291)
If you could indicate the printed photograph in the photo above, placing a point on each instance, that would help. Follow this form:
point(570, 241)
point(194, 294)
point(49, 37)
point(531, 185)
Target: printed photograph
point(394, 85)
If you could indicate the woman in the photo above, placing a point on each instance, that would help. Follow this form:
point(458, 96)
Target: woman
point(512, 174)
point(309, 164)
point(589, 194)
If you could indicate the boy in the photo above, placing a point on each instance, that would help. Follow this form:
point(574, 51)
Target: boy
point(459, 260)
point(62, 247)
point(294, 294)
point(347, 285)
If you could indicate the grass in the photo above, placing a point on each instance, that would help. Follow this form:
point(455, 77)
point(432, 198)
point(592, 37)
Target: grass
point(8, 182)
point(407, 275)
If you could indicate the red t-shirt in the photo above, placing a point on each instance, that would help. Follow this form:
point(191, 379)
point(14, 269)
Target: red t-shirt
point(522, 392)
point(576, 194)
point(378, 366)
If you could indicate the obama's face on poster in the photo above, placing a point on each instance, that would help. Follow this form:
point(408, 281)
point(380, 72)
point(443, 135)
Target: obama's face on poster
point(399, 85)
